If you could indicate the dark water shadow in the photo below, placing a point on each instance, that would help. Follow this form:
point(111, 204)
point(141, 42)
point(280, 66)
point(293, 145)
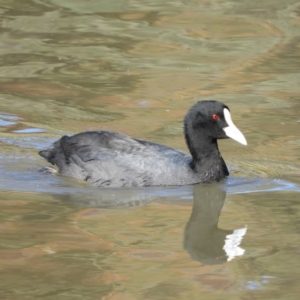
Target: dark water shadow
point(203, 240)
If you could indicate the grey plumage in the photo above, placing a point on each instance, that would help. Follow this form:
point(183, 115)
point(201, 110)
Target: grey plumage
point(111, 159)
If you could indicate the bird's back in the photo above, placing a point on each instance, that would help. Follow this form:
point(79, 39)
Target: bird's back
point(112, 159)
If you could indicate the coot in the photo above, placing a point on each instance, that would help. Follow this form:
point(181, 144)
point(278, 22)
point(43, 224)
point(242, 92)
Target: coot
point(109, 159)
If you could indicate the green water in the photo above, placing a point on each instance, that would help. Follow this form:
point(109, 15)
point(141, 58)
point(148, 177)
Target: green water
point(136, 67)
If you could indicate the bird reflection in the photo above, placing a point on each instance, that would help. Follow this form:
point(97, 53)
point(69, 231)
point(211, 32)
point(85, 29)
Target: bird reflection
point(107, 198)
point(203, 240)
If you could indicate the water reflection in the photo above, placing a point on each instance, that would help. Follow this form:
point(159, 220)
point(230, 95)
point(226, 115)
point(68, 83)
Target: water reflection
point(107, 198)
point(203, 240)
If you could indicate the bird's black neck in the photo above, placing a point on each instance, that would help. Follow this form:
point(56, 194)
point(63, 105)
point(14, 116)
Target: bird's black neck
point(206, 157)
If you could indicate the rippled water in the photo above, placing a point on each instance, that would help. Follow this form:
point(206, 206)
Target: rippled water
point(136, 67)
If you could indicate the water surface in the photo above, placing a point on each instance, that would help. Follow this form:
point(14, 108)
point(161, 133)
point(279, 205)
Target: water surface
point(136, 67)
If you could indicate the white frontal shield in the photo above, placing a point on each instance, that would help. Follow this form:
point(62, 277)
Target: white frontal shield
point(232, 131)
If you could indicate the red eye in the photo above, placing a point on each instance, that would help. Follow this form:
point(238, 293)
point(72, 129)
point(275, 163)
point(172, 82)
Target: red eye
point(215, 117)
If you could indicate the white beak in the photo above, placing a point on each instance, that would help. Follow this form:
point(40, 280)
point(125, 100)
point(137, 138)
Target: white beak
point(232, 131)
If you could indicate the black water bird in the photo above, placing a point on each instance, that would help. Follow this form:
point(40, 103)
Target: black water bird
point(108, 159)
